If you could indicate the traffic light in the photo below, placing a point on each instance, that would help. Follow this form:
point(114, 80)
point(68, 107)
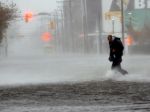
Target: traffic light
point(46, 37)
point(28, 16)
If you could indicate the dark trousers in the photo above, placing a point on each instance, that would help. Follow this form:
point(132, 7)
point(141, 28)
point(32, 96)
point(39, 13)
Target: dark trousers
point(116, 65)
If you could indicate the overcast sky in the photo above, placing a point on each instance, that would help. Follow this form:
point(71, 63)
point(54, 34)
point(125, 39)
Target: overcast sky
point(36, 5)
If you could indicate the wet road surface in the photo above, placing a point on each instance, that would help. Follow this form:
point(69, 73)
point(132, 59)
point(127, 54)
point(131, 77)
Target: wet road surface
point(100, 96)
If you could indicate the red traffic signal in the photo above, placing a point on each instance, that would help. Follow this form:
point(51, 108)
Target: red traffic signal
point(46, 37)
point(28, 16)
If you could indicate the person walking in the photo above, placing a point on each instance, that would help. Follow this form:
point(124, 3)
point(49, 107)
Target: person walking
point(116, 53)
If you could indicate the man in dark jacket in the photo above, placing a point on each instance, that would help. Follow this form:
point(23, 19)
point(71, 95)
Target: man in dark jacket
point(116, 53)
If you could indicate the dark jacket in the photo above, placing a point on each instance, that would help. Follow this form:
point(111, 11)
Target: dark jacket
point(116, 48)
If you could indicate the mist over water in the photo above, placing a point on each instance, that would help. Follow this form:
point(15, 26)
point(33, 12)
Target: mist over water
point(37, 69)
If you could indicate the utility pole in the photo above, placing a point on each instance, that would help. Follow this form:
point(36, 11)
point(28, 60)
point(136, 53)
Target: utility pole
point(122, 20)
point(71, 24)
point(57, 32)
point(100, 25)
point(68, 23)
point(62, 29)
point(6, 46)
point(65, 13)
point(85, 25)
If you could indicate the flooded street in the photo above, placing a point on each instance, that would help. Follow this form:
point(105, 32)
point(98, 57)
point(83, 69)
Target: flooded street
point(102, 96)
point(57, 55)
point(76, 84)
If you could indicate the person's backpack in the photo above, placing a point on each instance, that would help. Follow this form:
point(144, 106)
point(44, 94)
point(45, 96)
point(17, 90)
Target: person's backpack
point(118, 44)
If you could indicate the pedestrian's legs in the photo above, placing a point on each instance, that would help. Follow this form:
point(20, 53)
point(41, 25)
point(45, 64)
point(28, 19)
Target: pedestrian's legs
point(116, 65)
point(122, 71)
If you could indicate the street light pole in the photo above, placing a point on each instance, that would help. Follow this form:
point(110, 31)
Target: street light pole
point(130, 18)
point(113, 25)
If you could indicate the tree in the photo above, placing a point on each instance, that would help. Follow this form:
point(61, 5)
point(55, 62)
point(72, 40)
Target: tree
point(7, 13)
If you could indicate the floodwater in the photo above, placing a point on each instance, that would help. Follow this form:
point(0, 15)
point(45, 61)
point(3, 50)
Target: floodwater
point(74, 84)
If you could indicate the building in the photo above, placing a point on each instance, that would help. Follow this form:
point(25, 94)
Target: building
point(82, 19)
point(87, 22)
